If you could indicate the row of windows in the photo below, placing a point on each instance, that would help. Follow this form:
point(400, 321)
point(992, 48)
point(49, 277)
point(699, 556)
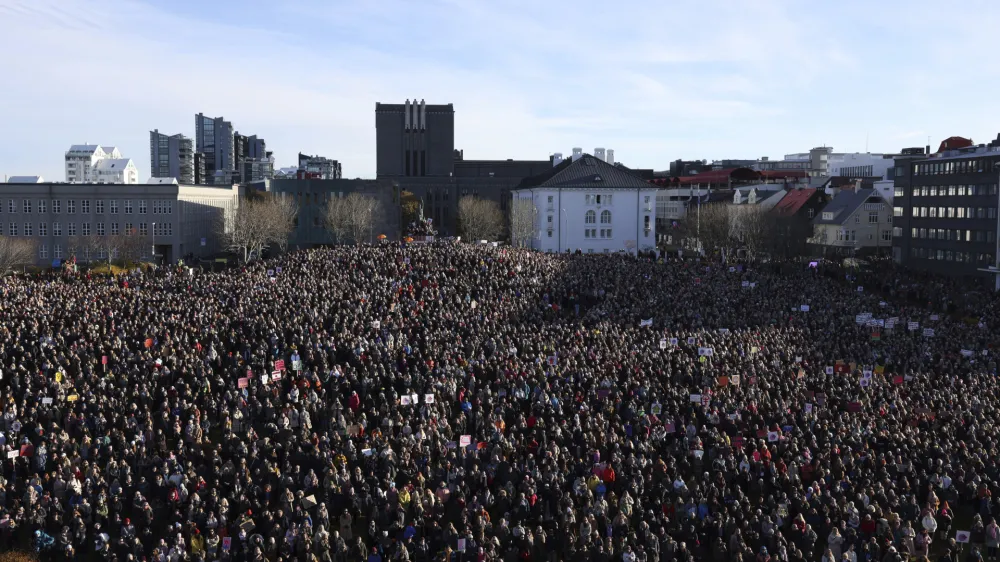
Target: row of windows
point(590, 217)
point(844, 235)
point(28, 205)
point(593, 233)
point(967, 166)
point(84, 253)
point(951, 255)
point(159, 229)
point(957, 235)
point(951, 190)
point(948, 212)
point(598, 199)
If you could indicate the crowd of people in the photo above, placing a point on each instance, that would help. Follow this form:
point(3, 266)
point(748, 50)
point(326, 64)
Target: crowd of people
point(471, 403)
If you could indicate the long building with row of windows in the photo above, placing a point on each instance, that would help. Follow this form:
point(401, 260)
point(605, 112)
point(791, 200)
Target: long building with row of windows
point(945, 208)
point(67, 220)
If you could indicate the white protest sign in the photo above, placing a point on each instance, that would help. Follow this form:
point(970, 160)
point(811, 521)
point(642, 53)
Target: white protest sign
point(804, 308)
point(663, 344)
point(428, 398)
point(706, 351)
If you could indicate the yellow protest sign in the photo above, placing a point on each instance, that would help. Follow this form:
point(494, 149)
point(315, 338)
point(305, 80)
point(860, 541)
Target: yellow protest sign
point(59, 376)
point(72, 398)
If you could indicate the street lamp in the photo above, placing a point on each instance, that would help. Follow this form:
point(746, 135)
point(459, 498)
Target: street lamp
point(154, 242)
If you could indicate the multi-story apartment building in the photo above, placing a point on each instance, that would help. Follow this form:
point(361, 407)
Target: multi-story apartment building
point(171, 156)
point(66, 220)
point(214, 139)
point(945, 208)
point(82, 161)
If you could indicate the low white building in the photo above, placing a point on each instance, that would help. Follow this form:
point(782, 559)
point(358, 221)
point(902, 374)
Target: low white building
point(82, 161)
point(861, 165)
point(116, 170)
point(589, 205)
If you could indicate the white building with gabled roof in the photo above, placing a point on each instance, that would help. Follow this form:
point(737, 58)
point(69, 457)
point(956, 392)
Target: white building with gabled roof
point(82, 162)
point(586, 204)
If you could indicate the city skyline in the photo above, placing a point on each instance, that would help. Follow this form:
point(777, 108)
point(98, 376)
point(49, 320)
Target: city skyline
point(656, 82)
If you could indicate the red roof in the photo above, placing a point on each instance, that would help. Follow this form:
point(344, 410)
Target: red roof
point(954, 143)
point(793, 201)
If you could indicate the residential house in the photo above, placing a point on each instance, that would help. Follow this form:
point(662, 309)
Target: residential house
point(856, 221)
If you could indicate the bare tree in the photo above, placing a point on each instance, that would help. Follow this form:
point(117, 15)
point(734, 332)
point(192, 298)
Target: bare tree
point(256, 224)
point(353, 217)
point(523, 215)
point(15, 252)
point(479, 219)
point(714, 226)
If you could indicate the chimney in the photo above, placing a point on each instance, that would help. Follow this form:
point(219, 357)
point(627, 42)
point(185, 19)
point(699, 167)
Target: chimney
point(416, 114)
point(577, 153)
point(611, 156)
point(599, 154)
point(557, 159)
point(928, 151)
point(423, 115)
point(406, 114)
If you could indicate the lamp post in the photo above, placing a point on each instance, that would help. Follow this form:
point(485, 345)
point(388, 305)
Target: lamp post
point(154, 242)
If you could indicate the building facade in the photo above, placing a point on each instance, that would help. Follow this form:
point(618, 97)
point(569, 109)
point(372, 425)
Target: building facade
point(171, 156)
point(177, 219)
point(589, 205)
point(82, 159)
point(116, 170)
point(414, 139)
point(214, 140)
point(945, 208)
point(855, 222)
point(317, 168)
point(312, 195)
point(862, 165)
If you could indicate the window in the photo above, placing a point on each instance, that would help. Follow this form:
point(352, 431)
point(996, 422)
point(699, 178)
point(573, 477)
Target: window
point(85, 206)
point(99, 206)
point(586, 233)
point(897, 212)
point(100, 229)
point(550, 234)
point(41, 206)
point(56, 229)
point(142, 207)
point(608, 233)
point(897, 231)
point(828, 216)
point(129, 229)
point(10, 206)
point(12, 229)
point(71, 229)
point(85, 229)
point(887, 236)
point(605, 217)
point(57, 251)
point(114, 229)
point(873, 217)
point(810, 212)
point(170, 205)
point(70, 207)
point(590, 217)
point(113, 206)
point(933, 212)
point(26, 205)
point(128, 207)
point(857, 218)
point(156, 205)
point(550, 220)
point(28, 229)
point(143, 229)
point(56, 206)
point(43, 229)
point(550, 199)
point(43, 251)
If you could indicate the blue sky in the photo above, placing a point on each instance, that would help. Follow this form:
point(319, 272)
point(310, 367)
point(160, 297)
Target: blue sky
point(654, 80)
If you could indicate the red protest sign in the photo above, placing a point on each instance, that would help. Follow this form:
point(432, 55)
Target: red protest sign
point(244, 382)
point(104, 360)
point(276, 376)
point(279, 364)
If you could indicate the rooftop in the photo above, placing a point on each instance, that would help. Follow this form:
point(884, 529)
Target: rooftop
point(793, 201)
point(25, 179)
point(113, 164)
point(587, 171)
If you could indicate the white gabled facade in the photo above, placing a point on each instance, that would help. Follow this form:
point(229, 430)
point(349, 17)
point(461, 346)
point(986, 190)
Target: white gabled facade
point(593, 207)
point(83, 160)
point(116, 170)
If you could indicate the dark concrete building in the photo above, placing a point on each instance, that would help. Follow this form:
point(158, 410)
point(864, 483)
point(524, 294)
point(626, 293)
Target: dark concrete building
point(945, 209)
point(171, 156)
point(416, 150)
point(312, 195)
point(214, 139)
point(414, 139)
